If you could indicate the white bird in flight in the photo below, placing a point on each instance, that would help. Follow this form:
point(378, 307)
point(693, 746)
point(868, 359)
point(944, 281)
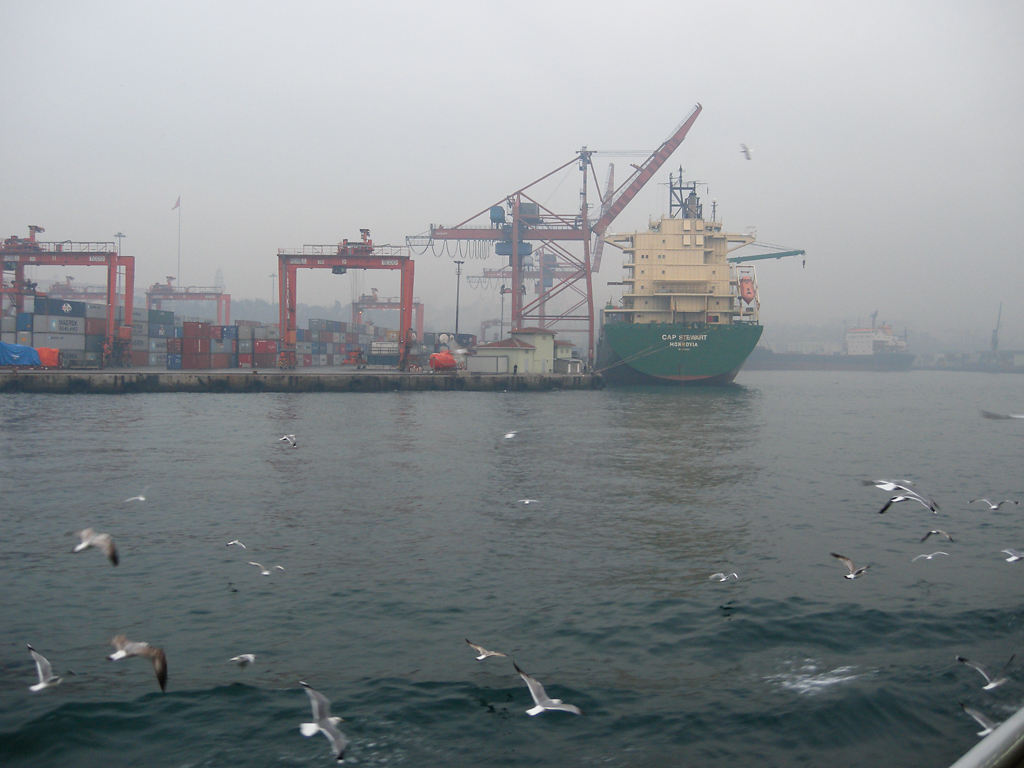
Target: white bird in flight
point(724, 576)
point(987, 725)
point(854, 571)
point(46, 677)
point(102, 541)
point(1014, 555)
point(237, 543)
point(541, 699)
point(928, 557)
point(127, 648)
point(483, 652)
point(906, 493)
point(323, 722)
point(994, 504)
point(526, 501)
point(290, 439)
point(243, 659)
point(745, 150)
point(140, 497)
point(990, 680)
point(263, 571)
point(510, 435)
point(937, 532)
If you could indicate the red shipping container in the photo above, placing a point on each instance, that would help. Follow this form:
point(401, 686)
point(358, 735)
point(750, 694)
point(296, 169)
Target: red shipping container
point(220, 360)
point(265, 346)
point(244, 360)
point(307, 360)
point(195, 346)
point(174, 346)
point(196, 330)
point(95, 326)
point(217, 332)
point(266, 359)
point(140, 359)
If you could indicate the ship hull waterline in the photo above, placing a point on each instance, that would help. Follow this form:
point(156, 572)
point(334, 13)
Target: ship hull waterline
point(674, 354)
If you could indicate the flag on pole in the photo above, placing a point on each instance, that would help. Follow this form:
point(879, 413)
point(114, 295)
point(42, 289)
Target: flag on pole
point(177, 203)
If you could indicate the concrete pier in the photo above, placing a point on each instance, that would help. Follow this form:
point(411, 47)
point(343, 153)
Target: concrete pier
point(74, 382)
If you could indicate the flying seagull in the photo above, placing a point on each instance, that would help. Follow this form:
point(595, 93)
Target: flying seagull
point(526, 501)
point(928, 557)
point(263, 570)
point(323, 722)
point(724, 576)
point(140, 497)
point(994, 504)
point(243, 659)
point(906, 493)
point(990, 681)
point(236, 543)
point(987, 725)
point(540, 698)
point(510, 435)
point(937, 532)
point(991, 415)
point(290, 439)
point(1014, 555)
point(102, 541)
point(43, 669)
point(484, 653)
point(745, 150)
point(126, 648)
point(854, 571)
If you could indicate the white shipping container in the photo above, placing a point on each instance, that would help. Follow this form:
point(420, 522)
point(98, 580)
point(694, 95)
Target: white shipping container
point(69, 341)
point(96, 310)
point(58, 324)
point(158, 359)
point(8, 324)
point(9, 337)
point(24, 338)
point(141, 343)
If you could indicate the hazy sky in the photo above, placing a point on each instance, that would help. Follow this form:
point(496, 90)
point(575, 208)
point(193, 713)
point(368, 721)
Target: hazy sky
point(885, 137)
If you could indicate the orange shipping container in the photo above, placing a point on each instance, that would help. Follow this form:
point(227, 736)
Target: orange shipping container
point(49, 357)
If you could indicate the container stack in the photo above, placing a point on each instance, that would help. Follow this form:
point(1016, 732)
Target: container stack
point(61, 324)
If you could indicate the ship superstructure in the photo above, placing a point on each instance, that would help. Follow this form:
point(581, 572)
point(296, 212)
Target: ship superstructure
point(686, 314)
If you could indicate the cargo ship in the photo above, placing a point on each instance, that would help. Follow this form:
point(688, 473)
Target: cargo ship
point(866, 349)
point(688, 313)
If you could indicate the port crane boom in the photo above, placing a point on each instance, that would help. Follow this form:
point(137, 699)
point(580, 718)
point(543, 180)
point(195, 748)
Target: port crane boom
point(529, 220)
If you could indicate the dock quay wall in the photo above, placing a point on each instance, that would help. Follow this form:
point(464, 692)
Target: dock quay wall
point(127, 382)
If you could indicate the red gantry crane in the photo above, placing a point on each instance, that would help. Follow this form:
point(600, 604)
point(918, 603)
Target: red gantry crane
point(371, 300)
point(529, 220)
point(16, 253)
point(339, 259)
point(158, 293)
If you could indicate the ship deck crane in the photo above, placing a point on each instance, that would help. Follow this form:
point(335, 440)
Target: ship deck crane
point(158, 293)
point(760, 256)
point(529, 220)
point(17, 253)
point(339, 259)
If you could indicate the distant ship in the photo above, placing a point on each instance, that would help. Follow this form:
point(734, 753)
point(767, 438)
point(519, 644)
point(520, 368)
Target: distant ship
point(687, 315)
point(866, 349)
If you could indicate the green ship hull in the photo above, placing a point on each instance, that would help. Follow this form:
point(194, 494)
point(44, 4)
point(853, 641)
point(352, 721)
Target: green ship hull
point(676, 353)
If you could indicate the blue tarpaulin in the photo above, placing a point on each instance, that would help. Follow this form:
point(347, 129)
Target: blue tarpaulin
point(17, 354)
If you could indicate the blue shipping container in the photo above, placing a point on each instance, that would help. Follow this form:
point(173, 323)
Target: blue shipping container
point(174, 362)
point(229, 332)
point(24, 322)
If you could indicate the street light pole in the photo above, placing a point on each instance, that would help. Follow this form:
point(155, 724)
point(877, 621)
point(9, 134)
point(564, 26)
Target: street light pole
point(458, 281)
point(273, 286)
point(501, 322)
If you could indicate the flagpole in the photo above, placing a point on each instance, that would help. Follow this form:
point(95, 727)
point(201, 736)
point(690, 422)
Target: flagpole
point(179, 242)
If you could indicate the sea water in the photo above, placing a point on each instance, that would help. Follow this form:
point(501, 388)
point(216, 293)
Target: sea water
point(399, 526)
